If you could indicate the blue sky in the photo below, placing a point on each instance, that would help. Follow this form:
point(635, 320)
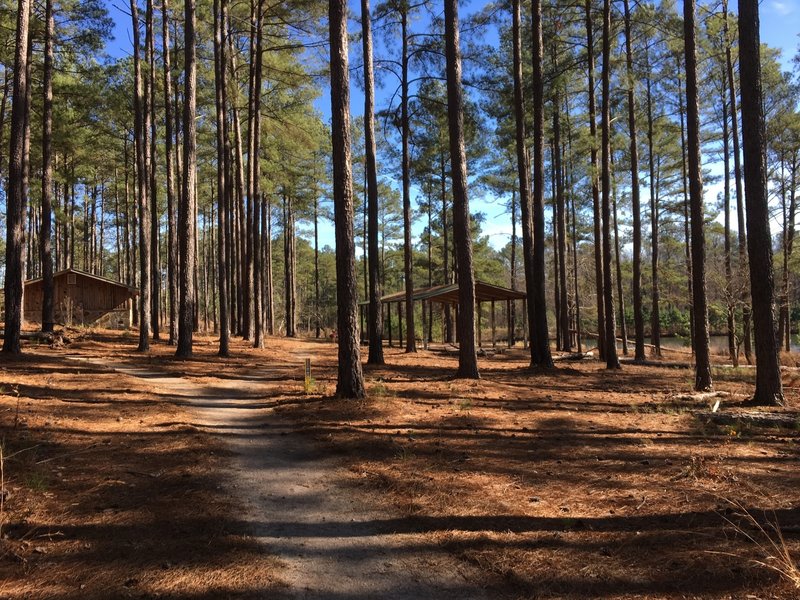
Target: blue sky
point(780, 25)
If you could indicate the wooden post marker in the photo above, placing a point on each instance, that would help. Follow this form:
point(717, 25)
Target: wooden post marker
point(307, 380)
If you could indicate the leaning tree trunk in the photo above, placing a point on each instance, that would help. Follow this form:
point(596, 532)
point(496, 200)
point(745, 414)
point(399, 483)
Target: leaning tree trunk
point(374, 316)
point(769, 389)
point(16, 199)
point(186, 214)
point(700, 307)
point(612, 360)
point(139, 107)
point(542, 355)
point(467, 357)
point(48, 304)
point(638, 319)
point(350, 380)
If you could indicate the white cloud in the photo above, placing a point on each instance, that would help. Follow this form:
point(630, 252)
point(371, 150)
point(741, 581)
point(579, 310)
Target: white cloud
point(782, 8)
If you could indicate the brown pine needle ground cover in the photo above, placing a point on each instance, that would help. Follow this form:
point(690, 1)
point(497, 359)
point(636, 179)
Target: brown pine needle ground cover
point(572, 484)
point(577, 483)
point(108, 494)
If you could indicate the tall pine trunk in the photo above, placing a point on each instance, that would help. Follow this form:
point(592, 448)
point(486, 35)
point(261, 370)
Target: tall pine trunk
point(140, 127)
point(172, 215)
point(467, 357)
point(523, 176)
point(48, 304)
point(700, 307)
point(638, 318)
point(769, 389)
point(541, 337)
point(350, 379)
point(374, 316)
point(222, 180)
point(16, 200)
point(597, 219)
point(612, 360)
point(186, 212)
point(408, 250)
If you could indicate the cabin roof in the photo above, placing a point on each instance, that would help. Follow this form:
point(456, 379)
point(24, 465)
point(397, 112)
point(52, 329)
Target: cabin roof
point(132, 290)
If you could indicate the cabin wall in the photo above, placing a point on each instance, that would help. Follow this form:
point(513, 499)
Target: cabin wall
point(84, 302)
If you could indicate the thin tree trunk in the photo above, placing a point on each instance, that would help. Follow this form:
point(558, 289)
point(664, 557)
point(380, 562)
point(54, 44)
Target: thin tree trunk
point(638, 318)
point(540, 337)
point(172, 215)
point(730, 305)
point(700, 308)
point(686, 226)
point(141, 189)
point(48, 304)
point(258, 324)
point(655, 317)
point(769, 389)
point(740, 194)
point(186, 210)
point(155, 263)
point(612, 361)
point(411, 342)
point(222, 180)
point(374, 315)
point(561, 218)
point(597, 220)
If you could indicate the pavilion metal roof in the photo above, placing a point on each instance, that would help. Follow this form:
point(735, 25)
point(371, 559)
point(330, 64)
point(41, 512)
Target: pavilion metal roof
point(448, 294)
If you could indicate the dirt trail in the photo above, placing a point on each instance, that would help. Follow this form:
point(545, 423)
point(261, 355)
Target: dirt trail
point(330, 543)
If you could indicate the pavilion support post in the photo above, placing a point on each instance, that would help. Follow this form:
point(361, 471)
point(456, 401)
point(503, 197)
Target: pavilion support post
point(457, 322)
point(480, 337)
point(400, 324)
point(361, 318)
point(494, 331)
point(389, 322)
point(425, 323)
point(424, 327)
point(510, 326)
point(525, 323)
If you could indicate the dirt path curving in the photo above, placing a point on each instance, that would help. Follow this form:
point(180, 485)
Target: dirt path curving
point(330, 543)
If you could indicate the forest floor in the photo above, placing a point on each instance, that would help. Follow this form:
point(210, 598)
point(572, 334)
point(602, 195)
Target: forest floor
point(130, 475)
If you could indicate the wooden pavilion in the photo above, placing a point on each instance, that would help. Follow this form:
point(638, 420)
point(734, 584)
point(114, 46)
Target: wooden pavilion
point(82, 299)
point(448, 295)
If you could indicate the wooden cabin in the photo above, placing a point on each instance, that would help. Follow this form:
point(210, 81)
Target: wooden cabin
point(83, 299)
